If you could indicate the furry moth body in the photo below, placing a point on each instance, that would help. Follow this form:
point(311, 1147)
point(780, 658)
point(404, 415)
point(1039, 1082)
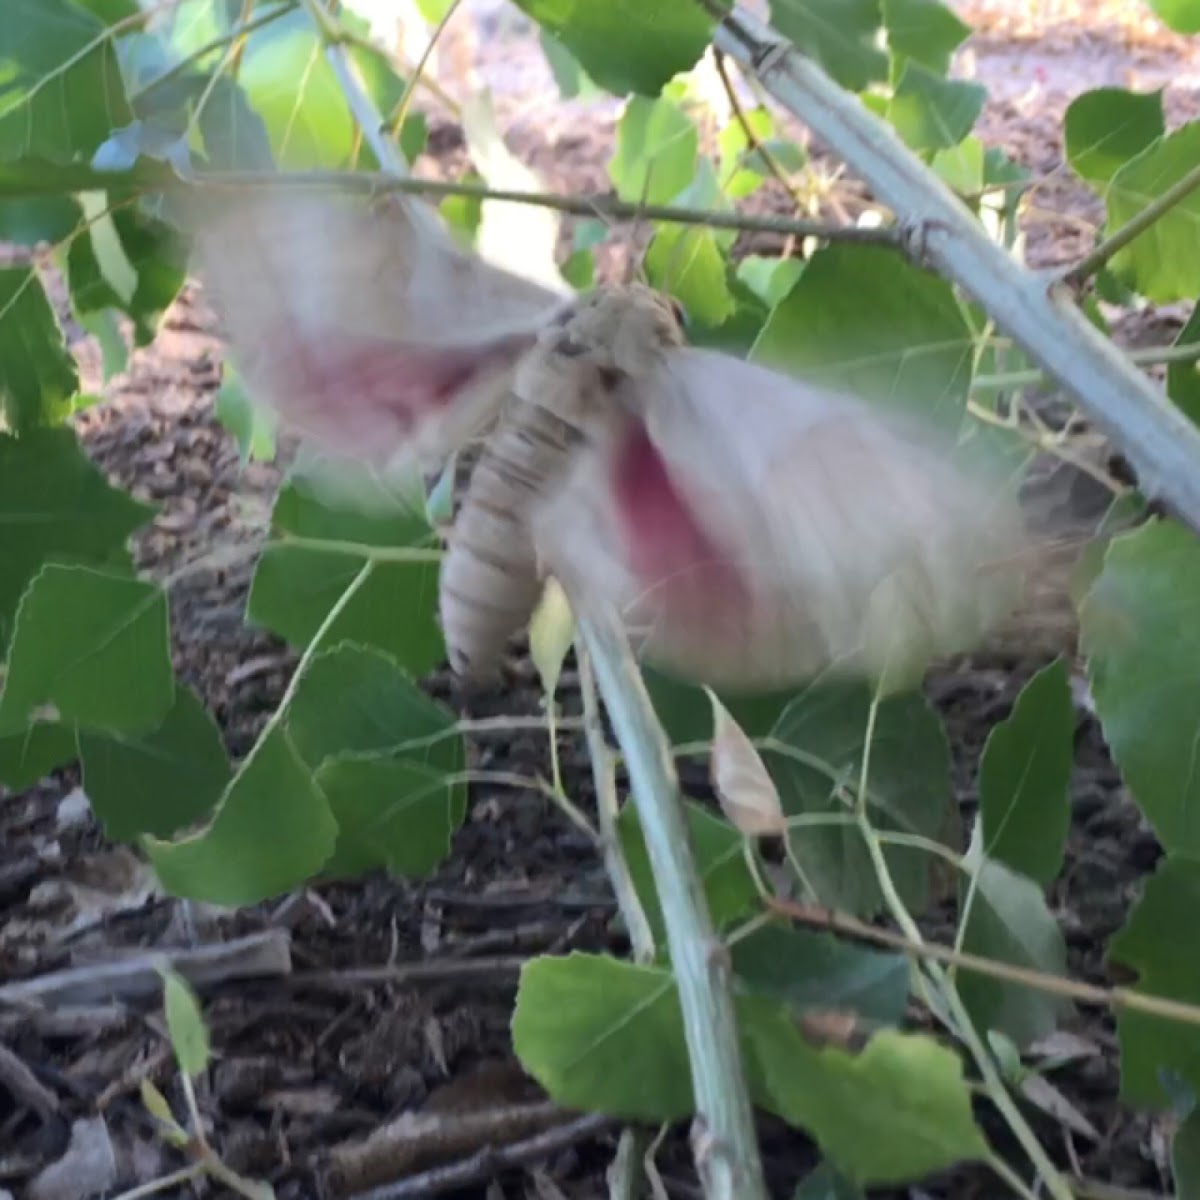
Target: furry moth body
point(751, 530)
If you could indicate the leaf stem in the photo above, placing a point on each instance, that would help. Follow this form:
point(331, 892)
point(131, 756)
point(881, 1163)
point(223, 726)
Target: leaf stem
point(1148, 356)
point(724, 1139)
point(601, 205)
point(1179, 191)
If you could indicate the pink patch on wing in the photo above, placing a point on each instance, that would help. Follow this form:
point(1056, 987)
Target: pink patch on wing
point(686, 575)
point(338, 377)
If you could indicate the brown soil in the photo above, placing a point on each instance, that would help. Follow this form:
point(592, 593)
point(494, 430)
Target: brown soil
point(313, 1060)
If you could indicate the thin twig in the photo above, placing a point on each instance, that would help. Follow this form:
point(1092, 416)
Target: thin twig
point(1149, 356)
point(1133, 228)
point(1072, 989)
point(500, 970)
point(601, 205)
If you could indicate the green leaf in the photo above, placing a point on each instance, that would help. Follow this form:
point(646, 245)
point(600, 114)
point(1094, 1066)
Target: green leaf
point(688, 264)
point(1106, 127)
point(155, 1103)
point(1024, 776)
point(37, 373)
point(1164, 262)
point(1163, 921)
point(600, 1034)
point(861, 319)
point(128, 261)
point(114, 353)
point(295, 587)
point(961, 166)
point(840, 34)
point(896, 1112)
point(1141, 641)
point(579, 270)
point(769, 278)
point(810, 970)
point(815, 756)
point(28, 221)
point(1185, 1158)
point(1183, 378)
point(933, 113)
point(93, 645)
point(626, 45)
point(61, 93)
point(739, 178)
point(271, 832)
point(29, 756)
point(686, 712)
point(1183, 16)
point(826, 1183)
point(55, 504)
point(356, 700)
point(573, 81)
point(925, 31)
point(729, 889)
point(655, 156)
point(1009, 922)
point(235, 137)
point(160, 781)
point(252, 425)
point(185, 1024)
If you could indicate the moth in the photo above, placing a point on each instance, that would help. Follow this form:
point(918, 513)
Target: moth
point(751, 530)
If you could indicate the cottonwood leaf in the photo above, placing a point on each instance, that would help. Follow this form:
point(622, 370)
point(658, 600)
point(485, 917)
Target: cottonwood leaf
point(92, 646)
point(38, 376)
point(745, 789)
point(1183, 16)
point(551, 632)
point(29, 756)
point(1105, 127)
point(1162, 920)
point(1183, 378)
point(827, 1183)
point(931, 112)
point(925, 31)
point(1024, 776)
point(841, 35)
point(1141, 641)
point(656, 150)
point(185, 1024)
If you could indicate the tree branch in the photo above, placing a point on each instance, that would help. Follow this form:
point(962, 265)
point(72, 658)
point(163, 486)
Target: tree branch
point(1162, 445)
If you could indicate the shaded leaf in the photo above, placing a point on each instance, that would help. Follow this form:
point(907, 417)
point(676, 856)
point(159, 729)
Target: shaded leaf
point(252, 425)
point(160, 781)
point(295, 587)
point(825, 1183)
point(1163, 919)
point(37, 373)
point(1183, 378)
point(1024, 776)
point(55, 504)
point(840, 34)
point(29, 756)
point(686, 714)
point(810, 970)
point(1185, 1158)
point(626, 45)
point(1163, 263)
point(92, 645)
point(1009, 922)
point(862, 319)
point(729, 888)
point(815, 756)
point(272, 831)
point(1105, 127)
point(931, 112)
point(28, 221)
point(769, 278)
point(573, 81)
point(1139, 636)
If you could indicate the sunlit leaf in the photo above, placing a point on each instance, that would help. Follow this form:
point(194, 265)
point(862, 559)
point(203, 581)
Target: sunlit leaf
point(688, 264)
point(1105, 127)
point(551, 632)
point(931, 112)
point(252, 425)
point(1164, 262)
point(1183, 16)
point(655, 156)
point(185, 1024)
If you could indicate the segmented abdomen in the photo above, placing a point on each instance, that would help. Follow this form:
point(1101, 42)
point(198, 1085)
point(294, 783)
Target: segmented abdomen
point(489, 581)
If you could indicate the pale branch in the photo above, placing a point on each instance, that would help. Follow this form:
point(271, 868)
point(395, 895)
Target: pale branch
point(601, 205)
point(1161, 444)
point(725, 1143)
point(1092, 262)
point(724, 1138)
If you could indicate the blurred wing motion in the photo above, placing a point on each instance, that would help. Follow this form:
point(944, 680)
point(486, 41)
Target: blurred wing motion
point(754, 531)
point(360, 321)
